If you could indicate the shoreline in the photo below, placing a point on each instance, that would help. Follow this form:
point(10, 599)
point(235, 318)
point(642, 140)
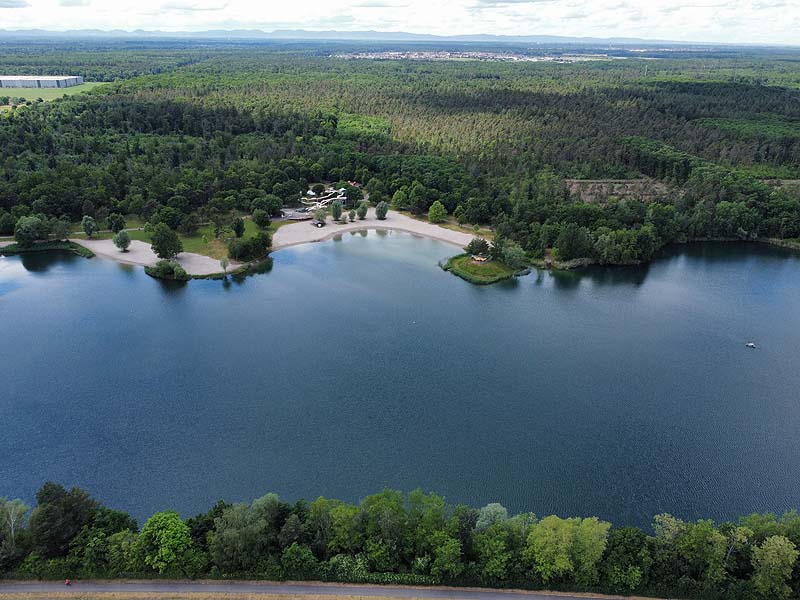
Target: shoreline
point(294, 235)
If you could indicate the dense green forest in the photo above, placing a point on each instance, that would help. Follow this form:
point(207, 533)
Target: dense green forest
point(409, 539)
point(207, 129)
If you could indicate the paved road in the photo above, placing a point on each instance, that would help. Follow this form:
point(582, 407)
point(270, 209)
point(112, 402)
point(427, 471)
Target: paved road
point(283, 588)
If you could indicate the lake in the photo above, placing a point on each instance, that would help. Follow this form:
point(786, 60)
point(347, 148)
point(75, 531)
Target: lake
point(357, 363)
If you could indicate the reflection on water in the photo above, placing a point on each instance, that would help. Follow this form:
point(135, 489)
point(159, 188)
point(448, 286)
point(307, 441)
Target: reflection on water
point(358, 364)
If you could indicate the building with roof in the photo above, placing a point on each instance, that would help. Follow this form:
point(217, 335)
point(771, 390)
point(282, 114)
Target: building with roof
point(39, 81)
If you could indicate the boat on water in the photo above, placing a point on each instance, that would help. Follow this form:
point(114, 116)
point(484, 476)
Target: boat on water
point(751, 344)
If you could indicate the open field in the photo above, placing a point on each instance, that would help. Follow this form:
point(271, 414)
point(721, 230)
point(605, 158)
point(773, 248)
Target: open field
point(48, 94)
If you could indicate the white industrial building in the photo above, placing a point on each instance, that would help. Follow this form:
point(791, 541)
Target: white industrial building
point(39, 81)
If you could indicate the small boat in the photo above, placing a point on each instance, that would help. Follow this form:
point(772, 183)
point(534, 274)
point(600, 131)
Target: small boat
point(751, 344)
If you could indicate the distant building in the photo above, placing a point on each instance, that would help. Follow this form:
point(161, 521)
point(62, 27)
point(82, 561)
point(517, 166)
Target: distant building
point(39, 81)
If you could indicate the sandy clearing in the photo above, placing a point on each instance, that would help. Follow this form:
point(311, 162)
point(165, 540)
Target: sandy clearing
point(303, 232)
point(139, 253)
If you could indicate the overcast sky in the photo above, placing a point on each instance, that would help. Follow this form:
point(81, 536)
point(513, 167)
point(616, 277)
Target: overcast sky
point(741, 21)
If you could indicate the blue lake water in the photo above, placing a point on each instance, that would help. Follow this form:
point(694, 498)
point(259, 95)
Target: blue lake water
point(357, 363)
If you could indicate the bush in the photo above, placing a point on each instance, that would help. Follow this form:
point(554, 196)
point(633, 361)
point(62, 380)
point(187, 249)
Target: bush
point(381, 210)
point(361, 211)
point(168, 269)
point(250, 249)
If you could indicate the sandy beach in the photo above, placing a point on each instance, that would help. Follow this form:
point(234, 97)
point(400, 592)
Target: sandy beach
point(303, 232)
point(139, 253)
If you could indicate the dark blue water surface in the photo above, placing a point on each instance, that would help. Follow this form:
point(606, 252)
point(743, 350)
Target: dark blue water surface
point(357, 364)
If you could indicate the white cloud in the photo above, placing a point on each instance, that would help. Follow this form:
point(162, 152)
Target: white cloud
point(729, 21)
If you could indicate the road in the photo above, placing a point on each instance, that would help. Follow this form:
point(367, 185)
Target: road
point(311, 588)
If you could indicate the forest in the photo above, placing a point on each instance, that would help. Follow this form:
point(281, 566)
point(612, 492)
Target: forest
point(392, 538)
point(207, 129)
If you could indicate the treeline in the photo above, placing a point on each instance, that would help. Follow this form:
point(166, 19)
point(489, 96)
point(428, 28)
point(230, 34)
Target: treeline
point(407, 539)
point(491, 142)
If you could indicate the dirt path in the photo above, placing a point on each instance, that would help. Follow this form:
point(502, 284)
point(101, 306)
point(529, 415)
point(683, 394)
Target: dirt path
point(305, 590)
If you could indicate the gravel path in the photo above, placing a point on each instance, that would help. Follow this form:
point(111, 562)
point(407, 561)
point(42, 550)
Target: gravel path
point(303, 232)
point(139, 253)
point(47, 589)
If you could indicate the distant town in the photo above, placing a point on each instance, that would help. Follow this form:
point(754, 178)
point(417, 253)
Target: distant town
point(485, 56)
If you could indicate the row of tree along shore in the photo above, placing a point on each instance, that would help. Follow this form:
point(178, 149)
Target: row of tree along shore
point(392, 538)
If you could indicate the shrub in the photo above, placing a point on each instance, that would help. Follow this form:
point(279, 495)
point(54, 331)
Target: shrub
point(381, 210)
point(251, 248)
point(168, 269)
point(361, 211)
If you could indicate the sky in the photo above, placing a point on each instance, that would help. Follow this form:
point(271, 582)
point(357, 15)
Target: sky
point(731, 21)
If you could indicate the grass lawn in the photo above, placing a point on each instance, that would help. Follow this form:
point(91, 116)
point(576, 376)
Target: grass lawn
point(48, 94)
point(480, 273)
point(210, 246)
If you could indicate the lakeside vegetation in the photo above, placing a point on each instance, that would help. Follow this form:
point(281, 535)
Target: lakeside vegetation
point(193, 134)
point(394, 538)
point(13, 249)
point(479, 273)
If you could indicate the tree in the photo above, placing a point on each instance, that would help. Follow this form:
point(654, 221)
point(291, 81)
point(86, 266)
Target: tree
point(165, 242)
point(89, 226)
point(122, 240)
point(116, 222)
point(165, 544)
point(573, 242)
point(381, 210)
point(513, 255)
point(446, 556)
point(261, 218)
point(189, 224)
point(491, 514)
point(460, 215)
point(352, 215)
point(238, 227)
point(59, 229)
point(320, 215)
point(773, 562)
point(477, 247)
point(27, 231)
point(336, 210)
point(58, 518)
point(318, 188)
point(224, 263)
point(399, 199)
point(558, 548)
point(361, 211)
point(437, 213)
point(12, 519)
point(298, 562)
